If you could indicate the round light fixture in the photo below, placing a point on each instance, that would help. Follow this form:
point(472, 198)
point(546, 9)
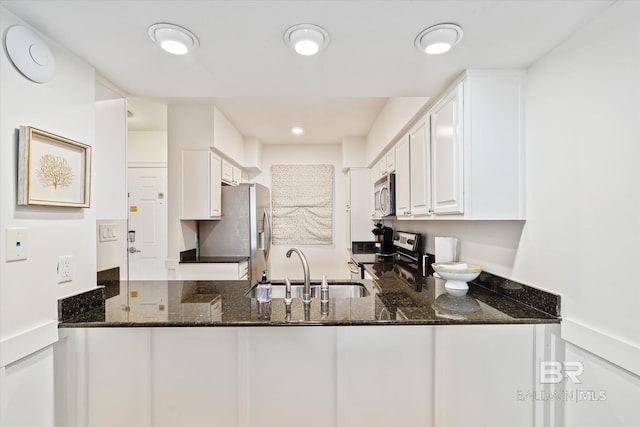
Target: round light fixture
point(29, 53)
point(297, 130)
point(439, 38)
point(306, 39)
point(173, 38)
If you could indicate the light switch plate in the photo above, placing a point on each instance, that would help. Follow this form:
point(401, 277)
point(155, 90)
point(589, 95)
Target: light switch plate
point(17, 243)
point(107, 232)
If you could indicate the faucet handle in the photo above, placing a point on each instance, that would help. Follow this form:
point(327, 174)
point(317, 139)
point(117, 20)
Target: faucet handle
point(287, 291)
point(324, 290)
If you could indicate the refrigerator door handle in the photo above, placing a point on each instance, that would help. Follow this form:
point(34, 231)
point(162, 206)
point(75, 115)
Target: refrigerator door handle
point(267, 234)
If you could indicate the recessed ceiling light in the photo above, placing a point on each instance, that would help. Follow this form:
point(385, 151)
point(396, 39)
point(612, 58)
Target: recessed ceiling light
point(297, 130)
point(306, 39)
point(439, 38)
point(173, 38)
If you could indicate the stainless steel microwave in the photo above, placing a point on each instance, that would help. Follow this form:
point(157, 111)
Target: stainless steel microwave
point(384, 196)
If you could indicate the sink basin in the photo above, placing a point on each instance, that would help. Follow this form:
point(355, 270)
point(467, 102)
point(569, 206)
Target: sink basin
point(336, 290)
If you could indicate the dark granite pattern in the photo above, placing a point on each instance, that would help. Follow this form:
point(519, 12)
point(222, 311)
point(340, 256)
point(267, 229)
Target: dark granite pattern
point(536, 298)
point(541, 300)
point(92, 301)
point(394, 298)
point(189, 256)
point(110, 279)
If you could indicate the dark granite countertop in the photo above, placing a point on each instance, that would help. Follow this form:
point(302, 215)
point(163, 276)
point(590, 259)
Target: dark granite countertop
point(390, 300)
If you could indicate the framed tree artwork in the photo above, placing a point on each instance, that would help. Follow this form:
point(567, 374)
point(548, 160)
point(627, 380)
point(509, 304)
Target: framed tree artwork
point(52, 170)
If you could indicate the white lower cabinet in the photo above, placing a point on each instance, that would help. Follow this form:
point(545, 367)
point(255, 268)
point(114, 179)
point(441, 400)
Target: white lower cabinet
point(480, 371)
point(385, 376)
point(457, 375)
point(291, 377)
point(193, 377)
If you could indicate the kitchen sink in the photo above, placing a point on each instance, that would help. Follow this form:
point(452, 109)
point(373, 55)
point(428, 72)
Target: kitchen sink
point(336, 290)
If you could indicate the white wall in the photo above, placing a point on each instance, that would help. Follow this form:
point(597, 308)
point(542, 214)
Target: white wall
point(323, 259)
point(393, 117)
point(147, 147)
point(28, 289)
point(581, 235)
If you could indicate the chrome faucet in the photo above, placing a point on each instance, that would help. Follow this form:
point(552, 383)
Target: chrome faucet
point(306, 296)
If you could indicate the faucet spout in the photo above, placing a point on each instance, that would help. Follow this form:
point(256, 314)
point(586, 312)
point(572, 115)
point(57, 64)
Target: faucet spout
point(306, 296)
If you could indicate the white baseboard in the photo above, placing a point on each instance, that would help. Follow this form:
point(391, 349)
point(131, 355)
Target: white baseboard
point(28, 342)
point(615, 350)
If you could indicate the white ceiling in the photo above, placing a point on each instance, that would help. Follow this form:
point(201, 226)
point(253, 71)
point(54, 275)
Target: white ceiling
point(244, 66)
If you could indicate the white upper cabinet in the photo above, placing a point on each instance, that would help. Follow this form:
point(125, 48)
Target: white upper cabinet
point(466, 154)
point(390, 160)
point(403, 187)
point(419, 168)
point(447, 167)
point(227, 172)
point(231, 174)
point(200, 185)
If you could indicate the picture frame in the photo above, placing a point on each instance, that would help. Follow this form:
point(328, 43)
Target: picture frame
point(52, 170)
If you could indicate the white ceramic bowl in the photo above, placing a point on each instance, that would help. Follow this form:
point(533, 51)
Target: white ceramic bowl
point(457, 275)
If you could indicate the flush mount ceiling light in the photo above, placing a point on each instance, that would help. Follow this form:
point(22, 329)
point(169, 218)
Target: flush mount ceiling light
point(306, 39)
point(173, 38)
point(30, 54)
point(439, 38)
point(297, 130)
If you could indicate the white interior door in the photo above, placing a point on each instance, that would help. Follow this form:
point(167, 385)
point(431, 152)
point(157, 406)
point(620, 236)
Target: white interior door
point(147, 247)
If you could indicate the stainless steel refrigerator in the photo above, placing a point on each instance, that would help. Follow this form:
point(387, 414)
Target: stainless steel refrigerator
point(244, 229)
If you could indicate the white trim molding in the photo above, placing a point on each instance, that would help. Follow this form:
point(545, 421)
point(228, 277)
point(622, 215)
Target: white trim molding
point(28, 342)
point(613, 349)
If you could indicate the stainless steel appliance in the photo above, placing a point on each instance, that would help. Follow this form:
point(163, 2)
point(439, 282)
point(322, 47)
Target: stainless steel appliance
point(407, 249)
point(384, 196)
point(244, 229)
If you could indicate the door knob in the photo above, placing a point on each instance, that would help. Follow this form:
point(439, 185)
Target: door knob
point(133, 250)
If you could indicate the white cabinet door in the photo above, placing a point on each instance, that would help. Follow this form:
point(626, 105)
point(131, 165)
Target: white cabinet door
point(201, 192)
point(480, 371)
point(227, 172)
point(385, 376)
point(382, 167)
point(447, 163)
point(215, 193)
point(420, 170)
point(291, 377)
point(403, 178)
point(390, 159)
point(194, 375)
point(116, 379)
point(237, 176)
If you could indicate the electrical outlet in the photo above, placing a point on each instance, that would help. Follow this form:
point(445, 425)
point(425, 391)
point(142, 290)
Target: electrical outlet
point(65, 269)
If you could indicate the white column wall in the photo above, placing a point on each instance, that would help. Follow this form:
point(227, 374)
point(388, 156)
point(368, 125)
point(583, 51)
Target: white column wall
point(28, 289)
